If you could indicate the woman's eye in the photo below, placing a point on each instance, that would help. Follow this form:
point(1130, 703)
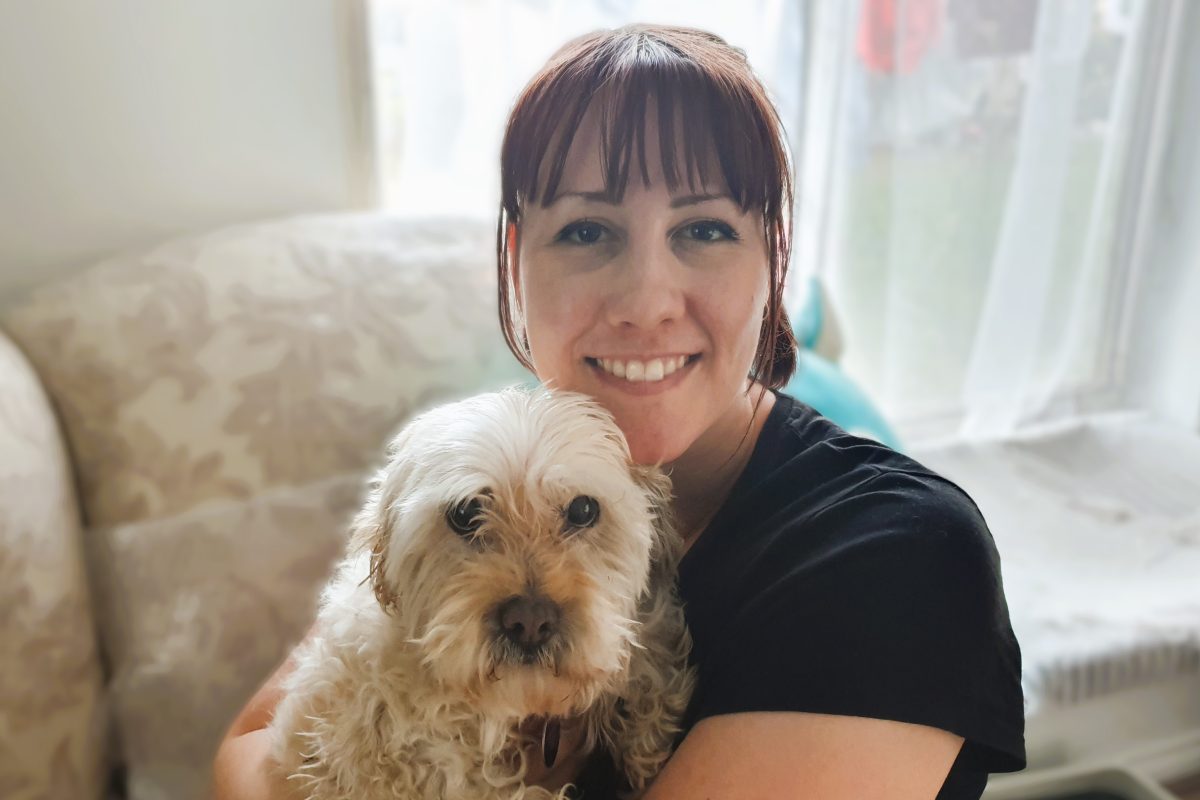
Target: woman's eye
point(582, 233)
point(582, 512)
point(709, 231)
point(466, 516)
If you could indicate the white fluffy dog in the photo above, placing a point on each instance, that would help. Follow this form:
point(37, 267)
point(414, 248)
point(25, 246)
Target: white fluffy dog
point(510, 563)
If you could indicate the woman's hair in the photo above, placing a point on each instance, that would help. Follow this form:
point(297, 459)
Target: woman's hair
point(706, 96)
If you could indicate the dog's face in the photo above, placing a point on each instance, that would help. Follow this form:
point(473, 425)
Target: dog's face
point(512, 539)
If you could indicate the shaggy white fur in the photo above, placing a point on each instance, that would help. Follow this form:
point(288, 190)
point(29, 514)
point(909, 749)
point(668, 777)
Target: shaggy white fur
point(414, 681)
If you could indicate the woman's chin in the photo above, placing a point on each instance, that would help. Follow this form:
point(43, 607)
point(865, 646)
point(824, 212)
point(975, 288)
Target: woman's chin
point(647, 449)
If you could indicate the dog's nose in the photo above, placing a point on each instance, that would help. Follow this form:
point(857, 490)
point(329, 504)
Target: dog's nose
point(529, 621)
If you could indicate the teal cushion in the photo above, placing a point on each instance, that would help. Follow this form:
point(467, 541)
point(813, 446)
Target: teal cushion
point(826, 388)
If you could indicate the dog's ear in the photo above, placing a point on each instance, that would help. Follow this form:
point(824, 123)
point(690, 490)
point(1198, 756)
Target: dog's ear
point(667, 545)
point(639, 726)
point(371, 534)
point(371, 531)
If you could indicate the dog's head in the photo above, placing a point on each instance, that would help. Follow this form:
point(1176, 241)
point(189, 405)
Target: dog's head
point(512, 538)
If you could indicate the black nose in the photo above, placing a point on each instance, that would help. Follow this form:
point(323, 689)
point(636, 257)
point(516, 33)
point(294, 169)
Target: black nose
point(529, 622)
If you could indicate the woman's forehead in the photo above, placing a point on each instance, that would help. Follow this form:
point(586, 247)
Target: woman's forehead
point(590, 153)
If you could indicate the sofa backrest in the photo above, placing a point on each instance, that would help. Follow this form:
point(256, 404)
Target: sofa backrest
point(219, 366)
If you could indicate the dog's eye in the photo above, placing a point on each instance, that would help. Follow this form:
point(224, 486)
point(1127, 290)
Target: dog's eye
point(583, 512)
point(465, 517)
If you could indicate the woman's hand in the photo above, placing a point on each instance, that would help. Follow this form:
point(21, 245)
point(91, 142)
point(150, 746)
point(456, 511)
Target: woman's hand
point(244, 770)
point(570, 758)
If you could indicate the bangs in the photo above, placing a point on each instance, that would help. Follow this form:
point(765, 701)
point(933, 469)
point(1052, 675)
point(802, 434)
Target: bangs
point(712, 127)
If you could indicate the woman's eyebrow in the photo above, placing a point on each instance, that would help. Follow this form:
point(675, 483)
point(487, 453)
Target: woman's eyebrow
point(594, 197)
point(676, 202)
point(693, 199)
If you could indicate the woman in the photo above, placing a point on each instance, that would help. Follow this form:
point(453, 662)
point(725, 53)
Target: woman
point(851, 633)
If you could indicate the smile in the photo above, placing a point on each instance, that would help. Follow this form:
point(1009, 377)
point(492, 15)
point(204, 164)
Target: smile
point(638, 371)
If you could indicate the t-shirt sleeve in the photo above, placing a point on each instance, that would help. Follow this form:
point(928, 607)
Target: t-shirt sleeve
point(891, 607)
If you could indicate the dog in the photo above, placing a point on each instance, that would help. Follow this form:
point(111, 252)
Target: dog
point(511, 565)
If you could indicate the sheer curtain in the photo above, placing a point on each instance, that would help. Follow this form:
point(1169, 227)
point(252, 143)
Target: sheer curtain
point(979, 184)
point(966, 170)
point(447, 73)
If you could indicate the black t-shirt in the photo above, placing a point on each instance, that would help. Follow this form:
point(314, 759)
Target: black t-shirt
point(841, 577)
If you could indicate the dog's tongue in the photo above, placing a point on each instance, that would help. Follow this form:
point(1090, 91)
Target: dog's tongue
point(550, 734)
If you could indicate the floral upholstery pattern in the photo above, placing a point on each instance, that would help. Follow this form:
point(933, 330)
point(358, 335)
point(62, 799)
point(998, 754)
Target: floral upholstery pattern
point(197, 610)
point(261, 355)
point(52, 725)
point(222, 398)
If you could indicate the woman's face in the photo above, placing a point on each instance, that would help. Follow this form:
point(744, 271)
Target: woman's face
point(653, 306)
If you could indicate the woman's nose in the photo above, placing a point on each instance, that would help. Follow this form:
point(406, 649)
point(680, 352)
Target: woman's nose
point(647, 290)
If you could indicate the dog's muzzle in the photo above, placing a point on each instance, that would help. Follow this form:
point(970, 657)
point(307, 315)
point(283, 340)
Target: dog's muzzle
point(529, 623)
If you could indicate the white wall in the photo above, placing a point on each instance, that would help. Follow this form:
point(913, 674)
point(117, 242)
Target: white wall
point(123, 122)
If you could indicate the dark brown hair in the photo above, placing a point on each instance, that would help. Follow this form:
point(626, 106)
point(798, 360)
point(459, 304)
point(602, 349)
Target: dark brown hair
point(706, 95)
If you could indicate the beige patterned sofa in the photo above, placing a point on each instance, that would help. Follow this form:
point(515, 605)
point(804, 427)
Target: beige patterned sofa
point(183, 434)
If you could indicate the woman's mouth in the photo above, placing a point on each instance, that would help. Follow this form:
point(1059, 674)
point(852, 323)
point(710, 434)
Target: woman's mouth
point(632, 370)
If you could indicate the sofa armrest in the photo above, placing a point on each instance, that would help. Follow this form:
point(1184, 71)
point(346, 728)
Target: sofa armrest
point(52, 720)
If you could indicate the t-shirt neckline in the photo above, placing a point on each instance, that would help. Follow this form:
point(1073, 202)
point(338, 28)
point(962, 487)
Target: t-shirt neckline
point(764, 447)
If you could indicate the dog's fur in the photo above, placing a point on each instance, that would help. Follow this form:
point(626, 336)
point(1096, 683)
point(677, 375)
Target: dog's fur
point(408, 689)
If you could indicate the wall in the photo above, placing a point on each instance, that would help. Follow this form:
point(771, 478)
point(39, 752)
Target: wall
point(128, 121)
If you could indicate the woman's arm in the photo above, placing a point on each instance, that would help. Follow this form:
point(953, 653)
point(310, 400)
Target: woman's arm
point(805, 756)
point(241, 769)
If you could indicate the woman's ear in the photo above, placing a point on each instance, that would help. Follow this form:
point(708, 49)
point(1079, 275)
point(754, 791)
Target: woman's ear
point(514, 265)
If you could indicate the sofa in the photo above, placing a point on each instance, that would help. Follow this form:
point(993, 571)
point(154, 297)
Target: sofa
point(184, 433)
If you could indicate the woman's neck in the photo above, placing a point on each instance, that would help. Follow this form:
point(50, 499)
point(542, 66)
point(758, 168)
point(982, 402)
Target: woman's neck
point(704, 475)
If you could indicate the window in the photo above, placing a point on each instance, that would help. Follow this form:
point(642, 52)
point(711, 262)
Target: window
point(979, 180)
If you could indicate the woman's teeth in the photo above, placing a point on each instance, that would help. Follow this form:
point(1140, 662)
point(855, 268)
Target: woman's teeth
point(649, 371)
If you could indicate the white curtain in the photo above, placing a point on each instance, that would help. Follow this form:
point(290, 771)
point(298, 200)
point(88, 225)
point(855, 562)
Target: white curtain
point(969, 161)
point(446, 74)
